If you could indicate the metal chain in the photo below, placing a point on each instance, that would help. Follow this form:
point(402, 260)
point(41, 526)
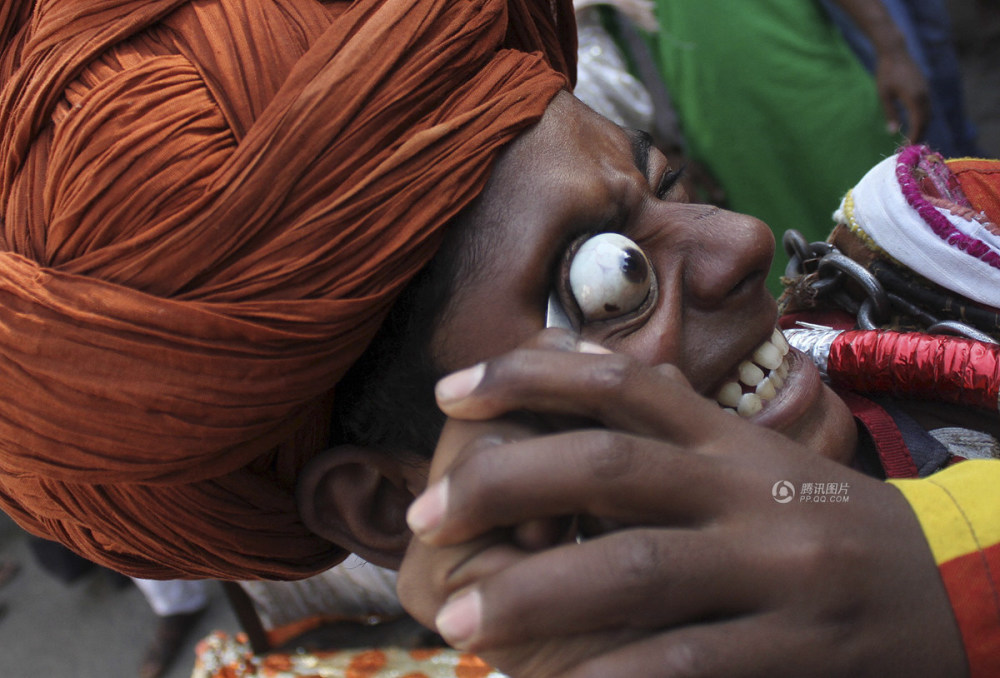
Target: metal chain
point(831, 271)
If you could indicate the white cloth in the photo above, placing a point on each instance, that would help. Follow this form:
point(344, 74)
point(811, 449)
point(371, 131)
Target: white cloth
point(174, 596)
point(880, 209)
point(354, 590)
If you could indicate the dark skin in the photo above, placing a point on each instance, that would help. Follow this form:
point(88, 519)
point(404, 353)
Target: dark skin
point(692, 569)
point(577, 174)
point(704, 573)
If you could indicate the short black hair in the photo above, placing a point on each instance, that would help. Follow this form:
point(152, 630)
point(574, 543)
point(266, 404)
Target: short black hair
point(386, 400)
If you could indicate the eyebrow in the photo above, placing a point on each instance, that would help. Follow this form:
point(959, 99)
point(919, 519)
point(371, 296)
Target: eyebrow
point(641, 143)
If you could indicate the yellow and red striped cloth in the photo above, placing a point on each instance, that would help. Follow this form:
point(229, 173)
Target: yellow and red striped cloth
point(959, 511)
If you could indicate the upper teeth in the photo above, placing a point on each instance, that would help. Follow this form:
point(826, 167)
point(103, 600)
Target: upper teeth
point(759, 378)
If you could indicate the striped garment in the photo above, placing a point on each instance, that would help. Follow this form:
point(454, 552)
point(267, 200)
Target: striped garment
point(959, 511)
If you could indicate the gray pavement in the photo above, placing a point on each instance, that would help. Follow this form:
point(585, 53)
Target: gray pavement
point(87, 629)
point(93, 630)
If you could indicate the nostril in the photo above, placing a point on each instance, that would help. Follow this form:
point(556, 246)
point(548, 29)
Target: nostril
point(749, 282)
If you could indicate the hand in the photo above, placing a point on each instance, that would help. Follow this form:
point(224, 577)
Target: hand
point(429, 573)
point(898, 78)
point(900, 82)
point(694, 568)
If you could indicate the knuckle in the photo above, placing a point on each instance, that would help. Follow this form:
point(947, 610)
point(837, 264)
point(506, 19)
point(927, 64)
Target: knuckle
point(684, 659)
point(509, 365)
point(480, 470)
point(640, 562)
point(819, 555)
point(613, 455)
point(417, 596)
point(801, 558)
point(613, 372)
point(472, 484)
point(839, 565)
point(405, 588)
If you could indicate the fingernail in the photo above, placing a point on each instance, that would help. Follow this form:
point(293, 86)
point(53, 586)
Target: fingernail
point(590, 347)
point(459, 384)
point(427, 512)
point(892, 127)
point(458, 621)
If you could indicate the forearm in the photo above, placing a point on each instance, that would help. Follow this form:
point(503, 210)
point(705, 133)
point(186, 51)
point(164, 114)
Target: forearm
point(874, 20)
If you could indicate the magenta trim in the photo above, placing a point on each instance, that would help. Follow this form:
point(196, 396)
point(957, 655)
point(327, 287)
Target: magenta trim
point(908, 160)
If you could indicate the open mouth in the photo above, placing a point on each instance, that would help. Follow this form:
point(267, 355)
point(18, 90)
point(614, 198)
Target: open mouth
point(759, 379)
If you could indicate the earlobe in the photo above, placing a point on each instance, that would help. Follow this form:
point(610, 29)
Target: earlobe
point(357, 498)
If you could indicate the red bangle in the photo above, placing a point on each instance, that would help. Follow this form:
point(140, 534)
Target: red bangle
point(924, 366)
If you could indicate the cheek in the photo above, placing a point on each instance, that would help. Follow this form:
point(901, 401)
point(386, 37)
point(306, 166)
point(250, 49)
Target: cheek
point(486, 321)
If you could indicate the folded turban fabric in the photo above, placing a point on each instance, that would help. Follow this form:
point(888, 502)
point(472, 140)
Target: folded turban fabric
point(208, 208)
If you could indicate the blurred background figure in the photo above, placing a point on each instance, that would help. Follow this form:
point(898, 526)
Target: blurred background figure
point(927, 29)
point(777, 106)
point(177, 604)
point(617, 76)
point(604, 77)
point(8, 570)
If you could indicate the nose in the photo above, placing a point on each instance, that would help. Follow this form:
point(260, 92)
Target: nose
point(711, 268)
point(728, 256)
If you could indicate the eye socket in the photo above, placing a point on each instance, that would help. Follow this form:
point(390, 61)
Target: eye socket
point(609, 277)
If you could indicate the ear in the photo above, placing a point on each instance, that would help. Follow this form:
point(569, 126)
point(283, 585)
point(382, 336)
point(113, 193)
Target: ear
point(357, 497)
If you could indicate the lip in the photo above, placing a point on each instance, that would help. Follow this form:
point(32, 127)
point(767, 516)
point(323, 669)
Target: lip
point(801, 389)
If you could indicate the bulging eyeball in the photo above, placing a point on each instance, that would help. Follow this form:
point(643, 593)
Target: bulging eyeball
point(609, 277)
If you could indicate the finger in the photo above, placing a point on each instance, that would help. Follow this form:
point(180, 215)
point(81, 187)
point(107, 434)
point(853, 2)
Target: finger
point(557, 339)
point(601, 473)
point(547, 657)
point(748, 647)
point(538, 534)
point(605, 583)
point(919, 113)
point(613, 389)
point(888, 101)
point(428, 576)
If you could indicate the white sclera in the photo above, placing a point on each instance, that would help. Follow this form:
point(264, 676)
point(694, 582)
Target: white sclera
point(609, 276)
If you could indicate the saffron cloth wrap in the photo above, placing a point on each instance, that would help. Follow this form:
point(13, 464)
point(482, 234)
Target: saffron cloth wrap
point(208, 208)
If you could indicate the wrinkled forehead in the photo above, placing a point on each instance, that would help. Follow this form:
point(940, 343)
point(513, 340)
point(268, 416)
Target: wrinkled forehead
point(552, 163)
point(568, 134)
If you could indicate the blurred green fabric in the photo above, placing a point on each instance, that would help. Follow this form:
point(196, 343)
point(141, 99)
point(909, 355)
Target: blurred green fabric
point(773, 101)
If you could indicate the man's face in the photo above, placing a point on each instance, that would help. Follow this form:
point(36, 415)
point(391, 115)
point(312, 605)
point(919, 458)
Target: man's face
point(691, 291)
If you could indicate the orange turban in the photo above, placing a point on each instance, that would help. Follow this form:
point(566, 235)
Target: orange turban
point(208, 208)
